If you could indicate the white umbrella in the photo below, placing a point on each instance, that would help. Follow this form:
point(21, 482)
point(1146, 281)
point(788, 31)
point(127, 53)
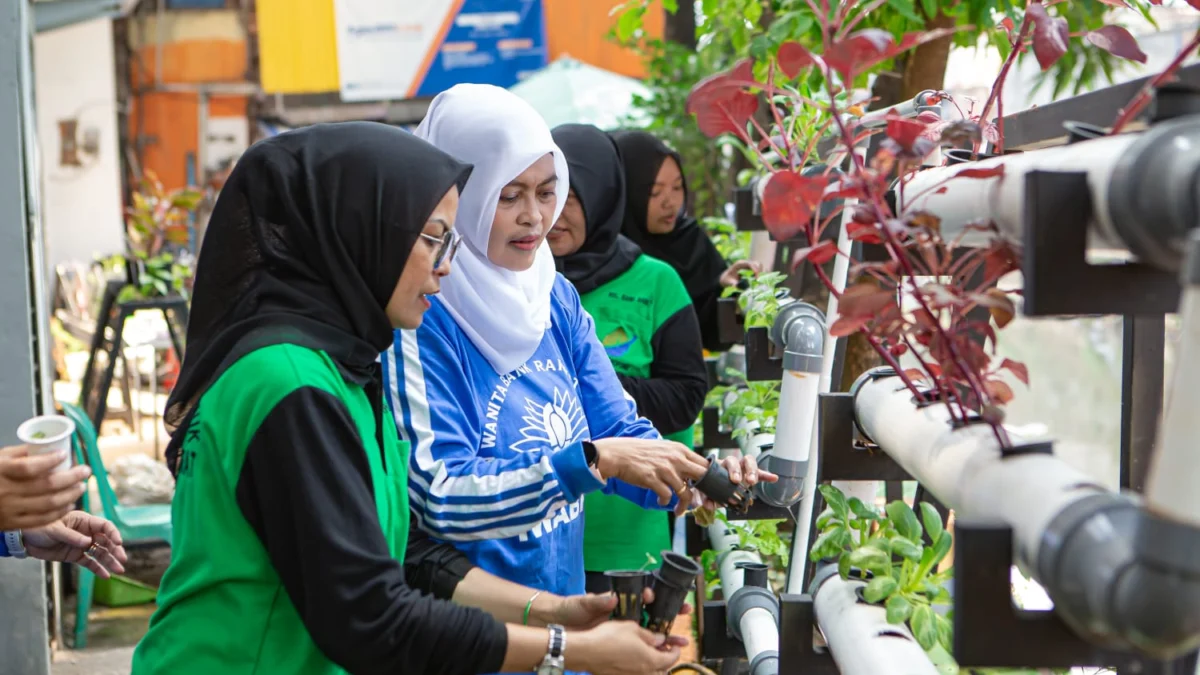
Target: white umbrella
point(568, 91)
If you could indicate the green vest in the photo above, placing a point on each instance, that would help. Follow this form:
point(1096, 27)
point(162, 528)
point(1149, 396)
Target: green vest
point(222, 609)
point(628, 312)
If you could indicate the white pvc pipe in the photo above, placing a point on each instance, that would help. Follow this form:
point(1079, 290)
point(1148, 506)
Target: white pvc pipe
point(725, 544)
point(799, 556)
point(964, 469)
point(1171, 488)
point(965, 201)
point(859, 636)
point(797, 415)
point(759, 631)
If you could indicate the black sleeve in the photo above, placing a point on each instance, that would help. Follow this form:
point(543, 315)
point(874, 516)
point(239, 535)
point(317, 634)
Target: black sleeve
point(433, 567)
point(706, 312)
point(305, 488)
point(673, 395)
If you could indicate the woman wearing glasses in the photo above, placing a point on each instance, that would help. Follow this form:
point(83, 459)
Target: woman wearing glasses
point(291, 518)
point(511, 405)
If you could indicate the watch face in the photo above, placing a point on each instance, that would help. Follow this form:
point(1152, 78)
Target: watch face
point(551, 668)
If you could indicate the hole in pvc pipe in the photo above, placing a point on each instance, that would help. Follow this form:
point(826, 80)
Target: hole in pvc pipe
point(891, 633)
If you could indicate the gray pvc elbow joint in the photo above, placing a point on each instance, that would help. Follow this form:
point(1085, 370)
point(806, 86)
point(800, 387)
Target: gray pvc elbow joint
point(798, 332)
point(745, 599)
point(766, 663)
point(1118, 573)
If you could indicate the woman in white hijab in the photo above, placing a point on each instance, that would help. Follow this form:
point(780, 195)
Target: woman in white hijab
point(510, 402)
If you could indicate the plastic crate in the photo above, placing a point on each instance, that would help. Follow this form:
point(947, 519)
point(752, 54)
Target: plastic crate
point(119, 591)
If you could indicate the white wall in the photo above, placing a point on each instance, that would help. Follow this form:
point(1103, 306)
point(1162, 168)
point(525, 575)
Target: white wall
point(75, 77)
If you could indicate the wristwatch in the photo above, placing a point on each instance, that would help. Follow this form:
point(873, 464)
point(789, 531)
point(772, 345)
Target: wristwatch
point(554, 662)
point(591, 455)
point(15, 543)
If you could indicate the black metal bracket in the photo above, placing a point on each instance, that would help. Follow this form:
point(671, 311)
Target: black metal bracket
point(746, 215)
point(710, 429)
point(1058, 278)
point(717, 643)
point(798, 655)
point(841, 457)
point(762, 511)
point(987, 624)
point(761, 366)
point(108, 339)
point(730, 328)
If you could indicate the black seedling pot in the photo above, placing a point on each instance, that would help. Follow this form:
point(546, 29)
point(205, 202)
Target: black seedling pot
point(716, 485)
point(628, 586)
point(1173, 100)
point(754, 574)
point(671, 584)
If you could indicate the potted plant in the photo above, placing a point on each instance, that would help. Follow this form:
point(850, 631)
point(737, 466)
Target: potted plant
point(158, 262)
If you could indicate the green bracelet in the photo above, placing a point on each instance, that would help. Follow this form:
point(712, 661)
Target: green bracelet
point(529, 606)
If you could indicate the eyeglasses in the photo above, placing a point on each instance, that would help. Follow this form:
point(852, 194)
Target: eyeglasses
point(447, 247)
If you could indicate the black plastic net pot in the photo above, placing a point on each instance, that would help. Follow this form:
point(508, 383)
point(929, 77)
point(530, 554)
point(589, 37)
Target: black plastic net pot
point(628, 586)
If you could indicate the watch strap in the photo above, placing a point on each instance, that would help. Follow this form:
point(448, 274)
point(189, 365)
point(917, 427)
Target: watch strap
point(15, 543)
point(558, 641)
point(591, 454)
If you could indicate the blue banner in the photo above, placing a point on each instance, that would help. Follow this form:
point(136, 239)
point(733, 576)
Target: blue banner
point(489, 42)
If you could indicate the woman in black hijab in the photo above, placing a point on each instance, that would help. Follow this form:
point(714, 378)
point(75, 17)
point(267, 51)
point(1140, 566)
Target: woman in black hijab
point(656, 219)
point(645, 321)
point(291, 520)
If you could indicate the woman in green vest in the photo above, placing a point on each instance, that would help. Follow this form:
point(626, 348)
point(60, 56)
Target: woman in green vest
point(291, 520)
point(646, 323)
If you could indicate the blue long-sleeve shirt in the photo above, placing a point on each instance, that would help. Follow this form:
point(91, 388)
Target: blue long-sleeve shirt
point(497, 463)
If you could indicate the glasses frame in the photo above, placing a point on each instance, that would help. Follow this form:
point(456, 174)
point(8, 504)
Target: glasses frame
point(447, 247)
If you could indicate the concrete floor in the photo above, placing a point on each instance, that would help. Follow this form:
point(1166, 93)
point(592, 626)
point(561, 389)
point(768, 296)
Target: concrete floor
point(93, 662)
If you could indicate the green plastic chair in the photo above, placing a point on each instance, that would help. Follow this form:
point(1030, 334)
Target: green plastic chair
point(149, 524)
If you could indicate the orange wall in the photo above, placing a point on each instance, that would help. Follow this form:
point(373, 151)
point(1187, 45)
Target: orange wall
point(580, 29)
point(171, 119)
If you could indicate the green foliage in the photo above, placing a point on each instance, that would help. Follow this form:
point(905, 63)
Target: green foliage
point(731, 244)
point(759, 303)
point(903, 570)
point(889, 545)
point(755, 402)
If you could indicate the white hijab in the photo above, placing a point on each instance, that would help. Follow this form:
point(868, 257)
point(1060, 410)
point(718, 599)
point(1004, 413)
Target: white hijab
point(504, 313)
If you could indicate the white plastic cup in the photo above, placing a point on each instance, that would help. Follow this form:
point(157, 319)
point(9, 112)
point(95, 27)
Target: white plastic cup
point(48, 434)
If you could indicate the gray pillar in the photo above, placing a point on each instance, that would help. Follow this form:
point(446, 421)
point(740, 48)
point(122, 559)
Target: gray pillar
point(24, 638)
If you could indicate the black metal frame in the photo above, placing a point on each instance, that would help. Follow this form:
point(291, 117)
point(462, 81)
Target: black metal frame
point(1043, 125)
point(1058, 281)
point(108, 338)
point(987, 625)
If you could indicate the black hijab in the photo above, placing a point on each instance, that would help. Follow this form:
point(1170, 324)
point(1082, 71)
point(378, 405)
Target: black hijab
point(687, 248)
point(598, 180)
point(305, 246)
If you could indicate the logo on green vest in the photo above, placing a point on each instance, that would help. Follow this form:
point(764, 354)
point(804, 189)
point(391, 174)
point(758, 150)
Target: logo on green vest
point(618, 343)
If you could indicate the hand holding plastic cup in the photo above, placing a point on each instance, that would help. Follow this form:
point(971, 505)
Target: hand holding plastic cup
point(48, 434)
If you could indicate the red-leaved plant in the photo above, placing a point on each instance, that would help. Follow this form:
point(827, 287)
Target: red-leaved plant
point(939, 282)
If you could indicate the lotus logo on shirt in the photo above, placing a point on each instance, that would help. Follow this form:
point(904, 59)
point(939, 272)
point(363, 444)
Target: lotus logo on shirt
point(617, 343)
point(556, 424)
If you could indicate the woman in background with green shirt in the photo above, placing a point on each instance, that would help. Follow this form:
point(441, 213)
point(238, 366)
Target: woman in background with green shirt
point(644, 319)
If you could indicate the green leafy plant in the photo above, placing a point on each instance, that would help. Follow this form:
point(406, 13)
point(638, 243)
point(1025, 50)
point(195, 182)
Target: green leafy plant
point(156, 227)
point(888, 548)
point(731, 244)
point(759, 302)
point(756, 402)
